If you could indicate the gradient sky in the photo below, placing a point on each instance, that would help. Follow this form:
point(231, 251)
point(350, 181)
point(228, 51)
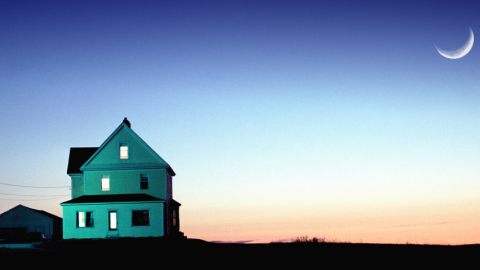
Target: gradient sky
point(335, 119)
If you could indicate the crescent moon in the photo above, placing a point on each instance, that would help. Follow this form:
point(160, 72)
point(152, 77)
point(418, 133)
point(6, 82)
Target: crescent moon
point(460, 52)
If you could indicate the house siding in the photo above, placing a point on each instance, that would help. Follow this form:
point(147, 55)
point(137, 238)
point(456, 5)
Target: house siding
point(77, 186)
point(126, 182)
point(168, 214)
point(138, 157)
point(101, 220)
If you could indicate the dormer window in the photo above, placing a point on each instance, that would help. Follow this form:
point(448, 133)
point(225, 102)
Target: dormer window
point(123, 151)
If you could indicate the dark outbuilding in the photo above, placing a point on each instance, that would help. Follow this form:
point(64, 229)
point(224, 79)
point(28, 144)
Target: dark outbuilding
point(20, 221)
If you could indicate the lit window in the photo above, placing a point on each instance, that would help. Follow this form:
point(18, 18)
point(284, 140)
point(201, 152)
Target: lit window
point(105, 182)
point(140, 218)
point(113, 220)
point(144, 181)
point(123, 151)
point(84, 219)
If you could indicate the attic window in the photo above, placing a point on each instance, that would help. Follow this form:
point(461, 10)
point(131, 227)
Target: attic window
point(123, 151)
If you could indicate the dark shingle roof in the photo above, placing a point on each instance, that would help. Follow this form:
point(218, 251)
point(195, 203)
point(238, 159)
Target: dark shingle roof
point(78, 156)
point(114, 198)
point(48, 214)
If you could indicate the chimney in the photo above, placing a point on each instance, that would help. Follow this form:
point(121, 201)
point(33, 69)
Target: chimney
point(127, 122)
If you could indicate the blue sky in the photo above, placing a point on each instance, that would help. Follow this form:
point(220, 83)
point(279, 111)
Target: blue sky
point(280, 118)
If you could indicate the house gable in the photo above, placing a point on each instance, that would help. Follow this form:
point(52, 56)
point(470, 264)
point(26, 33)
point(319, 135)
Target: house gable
point(19, 212)
point(140, 155)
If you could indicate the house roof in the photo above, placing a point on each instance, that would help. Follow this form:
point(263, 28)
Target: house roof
point(81, 157)
point(44, 213)
point(113, 198)
point(175, 202)
point(78, 156)
point(52, 216)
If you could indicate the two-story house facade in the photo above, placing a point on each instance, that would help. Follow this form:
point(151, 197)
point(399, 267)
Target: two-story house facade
point(121, 189)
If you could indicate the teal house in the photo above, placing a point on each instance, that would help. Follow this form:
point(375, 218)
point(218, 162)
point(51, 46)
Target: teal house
point(121, 189)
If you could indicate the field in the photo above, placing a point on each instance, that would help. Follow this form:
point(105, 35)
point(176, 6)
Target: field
point(199, 252)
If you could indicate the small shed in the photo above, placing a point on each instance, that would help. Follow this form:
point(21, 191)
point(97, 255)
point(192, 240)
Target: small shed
point(17, 222)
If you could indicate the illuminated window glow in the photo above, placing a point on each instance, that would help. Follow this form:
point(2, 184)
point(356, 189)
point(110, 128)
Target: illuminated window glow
point(84, 219)
point(113, 220)
point(123, 151)
point(105, 182)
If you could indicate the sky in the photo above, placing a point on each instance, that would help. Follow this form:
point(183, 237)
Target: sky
point(281, 119)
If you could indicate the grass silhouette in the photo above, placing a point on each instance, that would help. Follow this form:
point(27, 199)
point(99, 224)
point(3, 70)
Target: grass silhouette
point(306, 239)
point(295, 250)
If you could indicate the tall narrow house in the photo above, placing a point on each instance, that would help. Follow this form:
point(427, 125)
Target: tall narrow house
point(121, 189)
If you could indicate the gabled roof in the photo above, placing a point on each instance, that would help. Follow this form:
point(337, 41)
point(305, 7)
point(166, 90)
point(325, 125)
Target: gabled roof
point(41, 212)
point(78, 156)
point(83, 156)
point(52, 216)
point(113, 198)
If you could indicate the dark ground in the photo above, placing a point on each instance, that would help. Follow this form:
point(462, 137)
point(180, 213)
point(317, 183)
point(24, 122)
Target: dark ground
point(196, 252)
